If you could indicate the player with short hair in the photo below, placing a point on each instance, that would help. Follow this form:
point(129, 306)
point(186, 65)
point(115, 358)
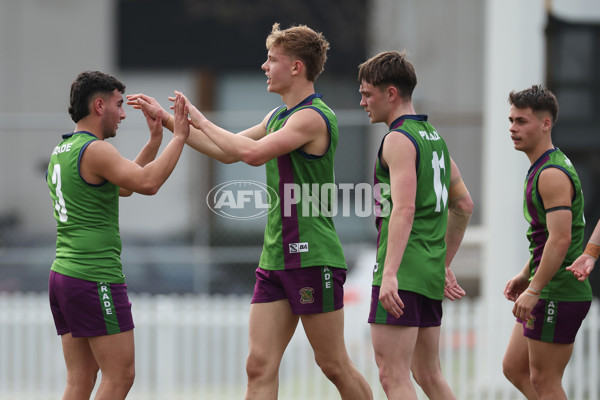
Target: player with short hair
point(418, 236)
point(86, 175)
point(550, 303)
point(302, 268)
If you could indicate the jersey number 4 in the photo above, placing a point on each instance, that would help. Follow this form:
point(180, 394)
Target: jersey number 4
point(59, 205)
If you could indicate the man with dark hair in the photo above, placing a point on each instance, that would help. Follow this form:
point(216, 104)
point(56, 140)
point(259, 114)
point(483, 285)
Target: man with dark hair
point(550, 303)
point(86, 175)
point(418, 236)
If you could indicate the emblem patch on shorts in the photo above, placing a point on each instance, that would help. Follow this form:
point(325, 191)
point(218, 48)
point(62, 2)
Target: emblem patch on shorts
point(530, 322)
point(306, 295)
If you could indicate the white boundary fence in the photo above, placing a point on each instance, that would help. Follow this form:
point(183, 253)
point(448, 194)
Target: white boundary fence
point(194, 347)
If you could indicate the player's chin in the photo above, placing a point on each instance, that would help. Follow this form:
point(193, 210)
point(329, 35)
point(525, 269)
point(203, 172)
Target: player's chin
point(518, 145)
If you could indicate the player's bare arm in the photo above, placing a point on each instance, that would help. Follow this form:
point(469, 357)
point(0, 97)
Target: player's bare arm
point(150, 150)
point(101, 161)
point(305, 130)
point(460, 208)
point(557, 191)
point(197, 139)
point(399, 155)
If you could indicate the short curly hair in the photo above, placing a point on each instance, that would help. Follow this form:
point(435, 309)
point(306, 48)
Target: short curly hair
point(85, 86)
point(304, 43)
point(538, 98)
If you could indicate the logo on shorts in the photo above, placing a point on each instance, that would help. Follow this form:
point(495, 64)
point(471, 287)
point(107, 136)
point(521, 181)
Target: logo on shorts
point(530, 322)
point(306, 295)
point(551, 313)
point(299, 247)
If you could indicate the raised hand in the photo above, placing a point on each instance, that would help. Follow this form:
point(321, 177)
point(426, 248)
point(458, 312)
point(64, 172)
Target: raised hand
point(181, 123)
point(154, 124)
point(146, 103)
point(196, 117)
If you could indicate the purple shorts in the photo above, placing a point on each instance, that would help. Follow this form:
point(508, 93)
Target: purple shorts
point(419, 310)
point(86, 308)
point(311, 290)
point(555, 321)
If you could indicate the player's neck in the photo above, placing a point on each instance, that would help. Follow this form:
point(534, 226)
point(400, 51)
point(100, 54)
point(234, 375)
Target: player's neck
point(405, 108)
point(535, 154)
point(86, 126)
point(296, 94)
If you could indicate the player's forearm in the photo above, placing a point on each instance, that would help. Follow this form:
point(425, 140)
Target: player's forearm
point(169, 121)
point(553, 256)
point(235, 147)
point(202, 143)
point(156, 172)
point(459, 213)
point(148, 152)
point(399, 227)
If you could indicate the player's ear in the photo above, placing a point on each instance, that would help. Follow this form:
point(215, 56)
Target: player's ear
point(391, 92)
point(98, 106)
point(297, 67)
point(548, 123)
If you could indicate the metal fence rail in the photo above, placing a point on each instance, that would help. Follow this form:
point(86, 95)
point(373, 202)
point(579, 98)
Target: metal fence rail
point(194, 347)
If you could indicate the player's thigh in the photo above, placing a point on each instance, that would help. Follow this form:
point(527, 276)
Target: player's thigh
point(427, 349)
point(325, 332)
point(271, 327)
point(114, 353)
point(78, 354)
point(394, 345)
point(516, 356)
point(549, 359)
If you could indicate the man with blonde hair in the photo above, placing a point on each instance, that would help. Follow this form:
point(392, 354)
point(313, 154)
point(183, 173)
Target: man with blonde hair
point(302, 268)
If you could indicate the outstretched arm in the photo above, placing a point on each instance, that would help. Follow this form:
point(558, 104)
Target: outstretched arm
point(460, 208)
point(197, 139)
point(304, 129)
point(584, 264)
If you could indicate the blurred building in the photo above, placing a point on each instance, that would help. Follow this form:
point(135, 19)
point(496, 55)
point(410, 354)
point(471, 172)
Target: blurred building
point(468, 55)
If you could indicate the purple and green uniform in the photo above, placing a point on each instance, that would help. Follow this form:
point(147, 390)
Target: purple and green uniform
point(550, 324)
point(88, 243)
point(299, 233)
point(422, 268)
point(302, 257)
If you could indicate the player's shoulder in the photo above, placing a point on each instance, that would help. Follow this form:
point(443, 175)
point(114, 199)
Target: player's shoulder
point(100, 150)
point(554, 181)
point(397, 136)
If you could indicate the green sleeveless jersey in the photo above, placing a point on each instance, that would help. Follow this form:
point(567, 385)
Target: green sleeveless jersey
point(422, 267)
point(88, 244)
point(563, 286)
point(300, 230)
